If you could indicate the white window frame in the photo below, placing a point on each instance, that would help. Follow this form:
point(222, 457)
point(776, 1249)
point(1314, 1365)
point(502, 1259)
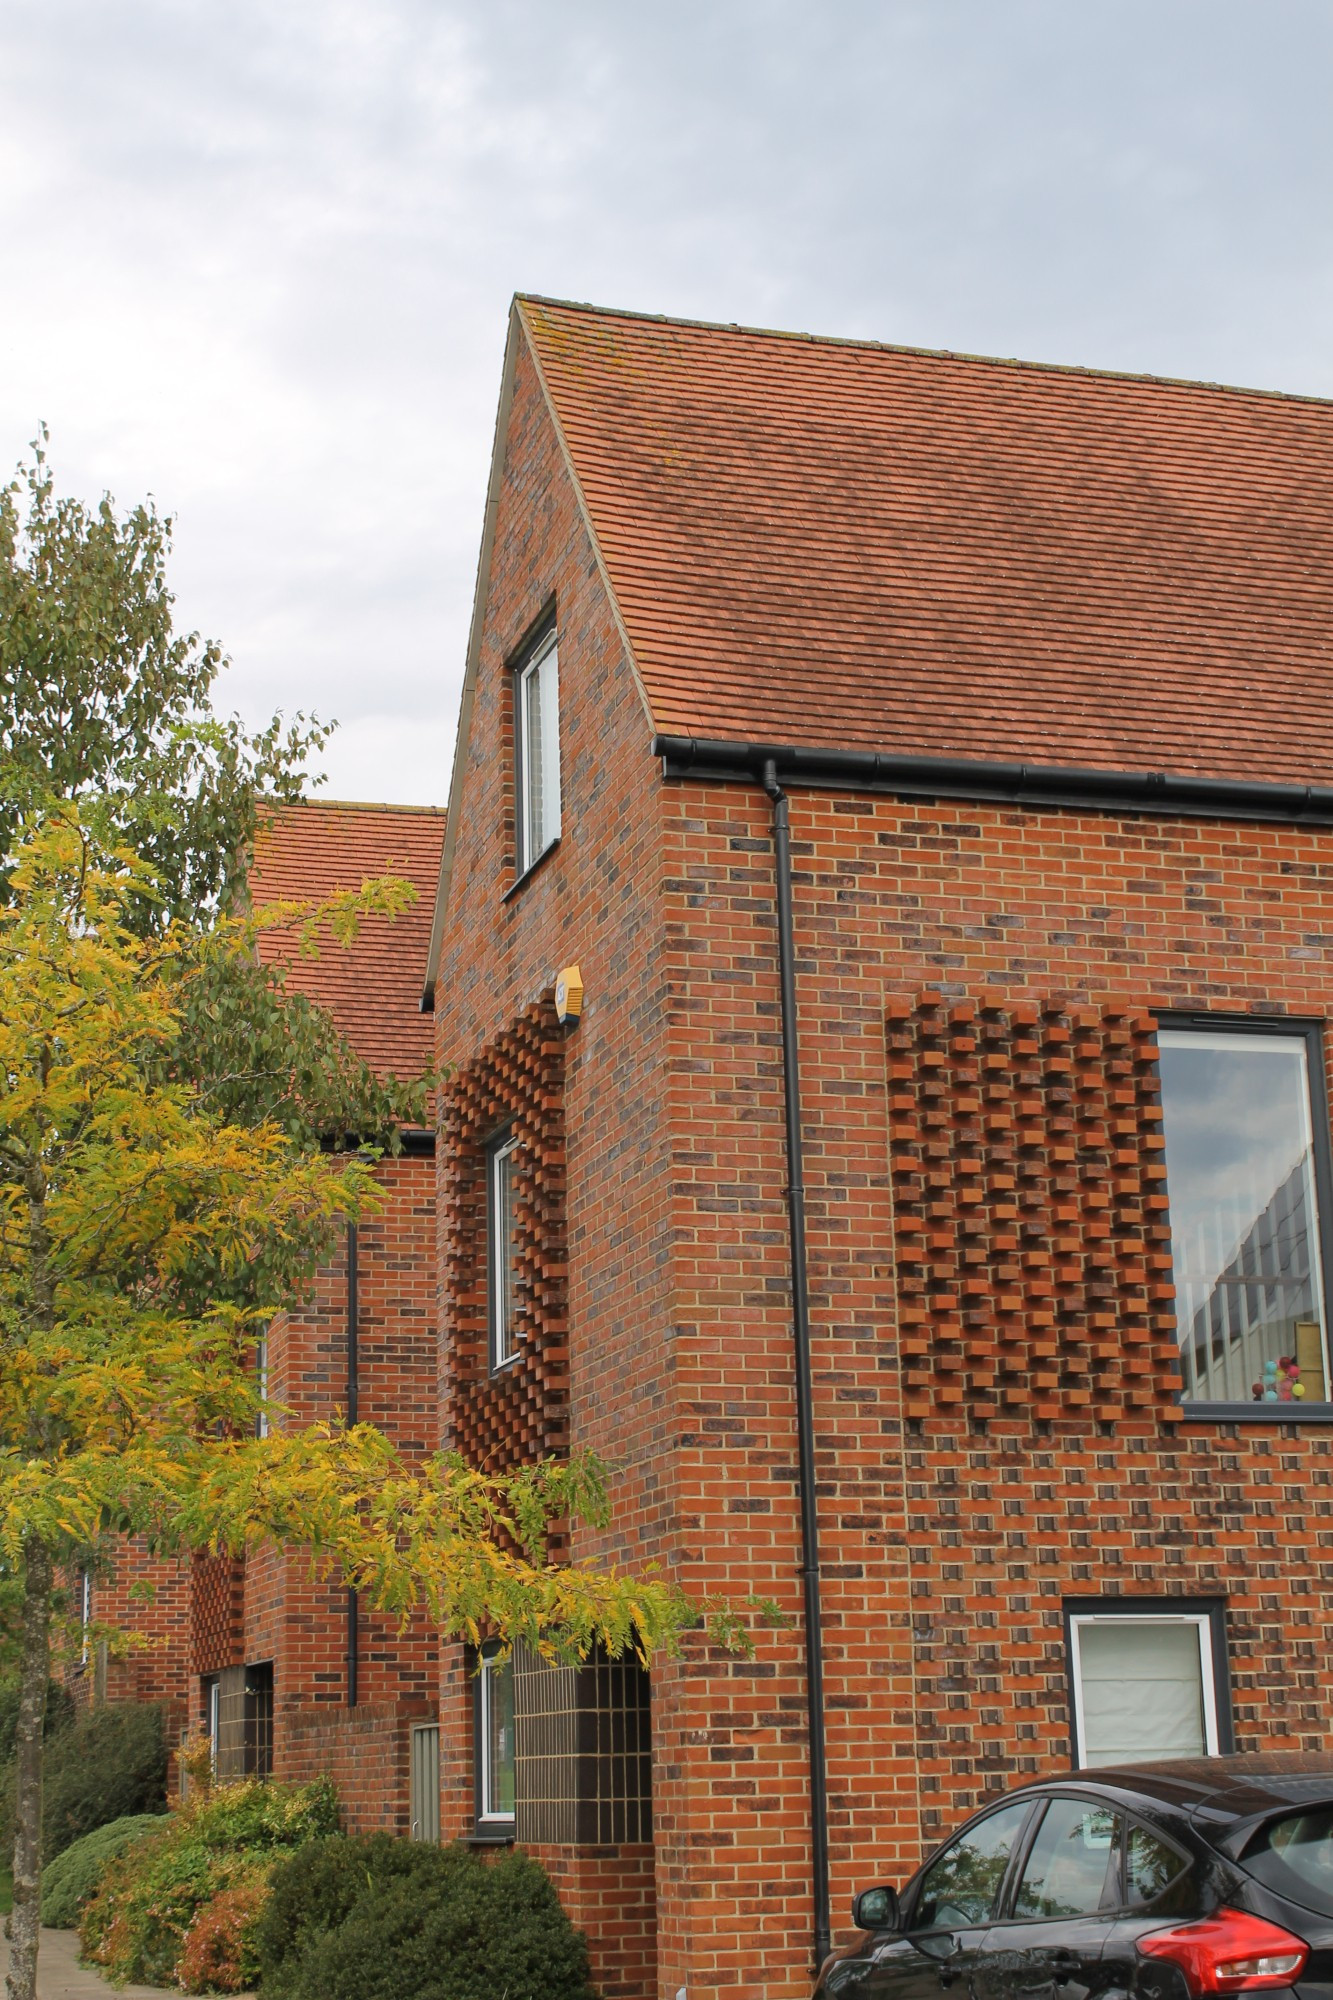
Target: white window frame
point(85, 1609)
point(213, 1724)
point(501, 1332)
point(261, 1378)
point(1202, 1622)
point(541, 665)
point(486, 1814)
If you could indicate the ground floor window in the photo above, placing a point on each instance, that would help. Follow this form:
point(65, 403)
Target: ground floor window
point(212, 1717)
point(1148, 1680)
point(495, 1743)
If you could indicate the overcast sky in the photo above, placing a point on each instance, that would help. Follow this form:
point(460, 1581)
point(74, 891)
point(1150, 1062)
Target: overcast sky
point(258, 254)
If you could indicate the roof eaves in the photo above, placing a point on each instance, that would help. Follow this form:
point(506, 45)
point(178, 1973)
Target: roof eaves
point(1073, 787)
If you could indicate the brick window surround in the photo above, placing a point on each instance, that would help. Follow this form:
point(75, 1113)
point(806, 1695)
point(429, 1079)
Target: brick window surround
point(499, 1419)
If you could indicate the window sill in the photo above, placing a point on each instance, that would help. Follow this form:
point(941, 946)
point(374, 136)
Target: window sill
point(521, 881)
point(1256, 1413)
point(490, 1837)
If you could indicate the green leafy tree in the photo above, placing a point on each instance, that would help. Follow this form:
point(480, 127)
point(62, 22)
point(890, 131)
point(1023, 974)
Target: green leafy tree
point(102, 700)
point(143, 1236)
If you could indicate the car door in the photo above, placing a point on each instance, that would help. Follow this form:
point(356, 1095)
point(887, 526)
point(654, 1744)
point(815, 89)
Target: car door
point(941, 1949)
point(1062, 1906)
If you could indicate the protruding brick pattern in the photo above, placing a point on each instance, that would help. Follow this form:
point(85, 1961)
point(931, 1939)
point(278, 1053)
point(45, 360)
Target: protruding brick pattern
point(1033, 1252)
point(520, 1413)
point(217, 1613)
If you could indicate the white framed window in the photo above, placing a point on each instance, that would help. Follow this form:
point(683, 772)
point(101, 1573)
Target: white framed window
point(502, 1247)
point(496, 1762)
point(261, 1383)
point(213, 1716)
point(1247, 1181)
point(85, 1609)
point(537, 741)
point(1147, 1685)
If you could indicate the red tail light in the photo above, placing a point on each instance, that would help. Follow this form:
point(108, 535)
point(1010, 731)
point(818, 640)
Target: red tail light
point(1230, 1952)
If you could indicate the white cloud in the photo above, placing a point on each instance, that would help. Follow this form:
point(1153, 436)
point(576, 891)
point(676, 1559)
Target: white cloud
point(259, 258)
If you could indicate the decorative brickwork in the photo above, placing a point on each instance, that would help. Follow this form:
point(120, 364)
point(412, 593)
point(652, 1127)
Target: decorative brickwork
point(217, 1613)
point(1034, 1260)
point(521, 1412)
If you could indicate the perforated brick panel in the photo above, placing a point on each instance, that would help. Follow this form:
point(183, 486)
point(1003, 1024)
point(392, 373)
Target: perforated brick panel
point(1030, 1206)
point(521, 1412)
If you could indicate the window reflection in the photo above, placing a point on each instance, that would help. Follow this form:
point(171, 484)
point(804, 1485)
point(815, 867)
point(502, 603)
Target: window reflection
point(960, 1887)
point(1244, 1216)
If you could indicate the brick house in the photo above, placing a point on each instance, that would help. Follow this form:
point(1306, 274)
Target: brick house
point(928, 764)
point(291, 1675)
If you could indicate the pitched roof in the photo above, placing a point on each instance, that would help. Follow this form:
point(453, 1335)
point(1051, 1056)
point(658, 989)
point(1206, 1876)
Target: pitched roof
point(853, 546)
point(372, 987)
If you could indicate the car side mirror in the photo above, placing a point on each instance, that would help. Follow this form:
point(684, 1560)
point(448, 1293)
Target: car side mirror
point(876, 1910)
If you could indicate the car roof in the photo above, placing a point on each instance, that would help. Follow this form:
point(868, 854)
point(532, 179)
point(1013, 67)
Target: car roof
point(1216, 1789)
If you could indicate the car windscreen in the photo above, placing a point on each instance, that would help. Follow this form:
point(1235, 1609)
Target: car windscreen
point(1294, 1858)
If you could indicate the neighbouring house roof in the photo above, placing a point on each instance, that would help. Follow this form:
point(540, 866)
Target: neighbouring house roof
point(845, 545)
point(372, 987)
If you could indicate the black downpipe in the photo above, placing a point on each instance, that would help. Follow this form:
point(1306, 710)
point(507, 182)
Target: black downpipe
point(353, 1388)
point(805, 1430)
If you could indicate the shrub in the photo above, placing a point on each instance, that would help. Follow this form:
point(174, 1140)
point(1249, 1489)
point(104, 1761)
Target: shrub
point(446, 1926)
point(219, 1954)
point(320, 1886)
point(109, 1765)
point(139, 1923)
point(74, 1875)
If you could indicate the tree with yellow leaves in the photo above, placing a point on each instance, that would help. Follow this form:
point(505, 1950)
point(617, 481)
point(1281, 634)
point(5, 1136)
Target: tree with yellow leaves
point(146, 1231)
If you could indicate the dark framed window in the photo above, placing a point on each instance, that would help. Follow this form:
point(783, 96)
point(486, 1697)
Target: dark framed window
point(1148, 1679)
point(501, 1247)
point(537, 750)
point(496, 1763)
point(1250, 1187)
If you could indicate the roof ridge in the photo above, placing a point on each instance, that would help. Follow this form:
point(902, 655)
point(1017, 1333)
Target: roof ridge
point(351, 805)
point(1013, 362)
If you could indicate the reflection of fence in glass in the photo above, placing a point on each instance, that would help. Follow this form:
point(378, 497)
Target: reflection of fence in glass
point(1248, 1291)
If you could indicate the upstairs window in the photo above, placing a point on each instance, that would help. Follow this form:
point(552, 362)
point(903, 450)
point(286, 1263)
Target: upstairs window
point(502, 1247)
point(537, 741)
point(1247, 1181)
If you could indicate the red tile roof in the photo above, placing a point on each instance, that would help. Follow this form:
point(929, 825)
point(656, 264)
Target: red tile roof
point(372, 988)
point(854, 546)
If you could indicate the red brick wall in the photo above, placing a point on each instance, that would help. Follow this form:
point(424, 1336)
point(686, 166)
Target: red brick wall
point(365, 1750)
point(609, 1893)
point(592, 900)
point(1025, 1452)
point(299, 1621)
point(953, 1527)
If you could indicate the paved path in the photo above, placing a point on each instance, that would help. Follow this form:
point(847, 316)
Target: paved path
point(61, 1977)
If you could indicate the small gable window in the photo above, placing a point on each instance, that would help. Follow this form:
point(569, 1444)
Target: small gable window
point(537, 742)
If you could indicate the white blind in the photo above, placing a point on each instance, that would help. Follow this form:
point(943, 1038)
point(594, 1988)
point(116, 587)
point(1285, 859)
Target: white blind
point(1141, 1683)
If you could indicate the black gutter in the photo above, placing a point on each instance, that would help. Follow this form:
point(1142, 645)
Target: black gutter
point(805, 1427)
point(353, 1389)
point(1084, 789)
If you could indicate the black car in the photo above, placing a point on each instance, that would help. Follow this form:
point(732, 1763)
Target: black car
point(1160, 1881)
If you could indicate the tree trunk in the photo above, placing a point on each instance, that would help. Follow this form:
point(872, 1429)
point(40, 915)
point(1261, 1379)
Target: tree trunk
point(35, 1674)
